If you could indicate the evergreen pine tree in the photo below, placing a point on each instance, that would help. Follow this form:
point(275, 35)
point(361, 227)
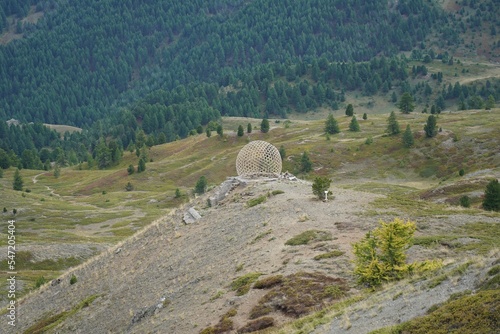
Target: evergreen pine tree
point(150, 142)
point(220, 130)
point(365, 116)
point(162, 138)
point(380, 256)
point(408, 139)
point(282, 152)
point(491, 201)
point(249, 128)
point(264, 126)
point(349, 111)
point(141, 166)
point(240, 131)
point(430, 127)
point(392, 124)
point(18, 181)
point(394, 97)
point(320, 185)
point(201, 185)
point(331, 125)
point(305, 163)
point(406, 104)
point(354, 125)
point(57, 171)
point(490, 103)
point(130, 169)
point(465, 201)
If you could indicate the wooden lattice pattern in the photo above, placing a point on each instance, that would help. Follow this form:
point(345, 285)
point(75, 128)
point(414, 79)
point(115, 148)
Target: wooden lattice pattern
point(258, 157)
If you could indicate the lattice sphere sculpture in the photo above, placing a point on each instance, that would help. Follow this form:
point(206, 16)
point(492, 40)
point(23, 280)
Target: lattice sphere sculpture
point(258, 157)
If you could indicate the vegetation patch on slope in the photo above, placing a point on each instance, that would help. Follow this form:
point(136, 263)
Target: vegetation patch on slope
point(478, 313)
point(242, 284)
point(52, 321)
point(298, 294)
point(309, 236)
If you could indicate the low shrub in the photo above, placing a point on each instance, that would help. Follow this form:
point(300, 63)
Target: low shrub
point(225, 324)
point(306, 237)
point(256, 201)
point(334, 253)
point(301, 293)
point(260, 310)
point(257, 325)
point(242, 284)
point(465, 201)
point(268, 282)
point(40, 281)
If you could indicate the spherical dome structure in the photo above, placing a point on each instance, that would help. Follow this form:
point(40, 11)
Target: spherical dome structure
point(258, 157)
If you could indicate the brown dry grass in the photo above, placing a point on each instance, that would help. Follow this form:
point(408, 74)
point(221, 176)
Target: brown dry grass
point(300, 293)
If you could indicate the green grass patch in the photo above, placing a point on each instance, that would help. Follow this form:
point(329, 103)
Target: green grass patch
point(52, 321)
point(329, 255)
point(429, 171)
point(492, 282)
point(24, 262)
point(309, 236)
point(479, 237)
point(122, 232)
point(381, 188)
point(461, 269)
point(217, 295)
point(256, 201)
point(243, 283)
point(277, 192)
point(430, 241)
point(411, 207)
point(494, 270)
point(437, 281)
point(260, 236)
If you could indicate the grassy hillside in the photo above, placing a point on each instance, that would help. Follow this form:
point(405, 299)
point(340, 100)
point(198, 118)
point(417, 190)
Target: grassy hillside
point(90, 210)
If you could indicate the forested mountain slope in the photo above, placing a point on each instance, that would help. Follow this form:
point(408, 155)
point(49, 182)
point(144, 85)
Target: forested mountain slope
point(160, 70)
point(80, 58)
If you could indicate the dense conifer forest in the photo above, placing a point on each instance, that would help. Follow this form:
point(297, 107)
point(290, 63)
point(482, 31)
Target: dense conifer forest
point(143, 73)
